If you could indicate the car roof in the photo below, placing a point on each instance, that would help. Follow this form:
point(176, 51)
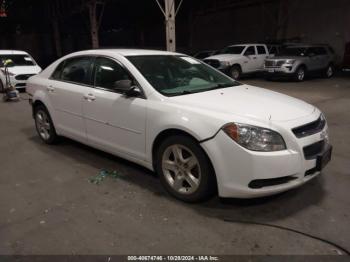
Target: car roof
point(125, 52)
point(12, 52)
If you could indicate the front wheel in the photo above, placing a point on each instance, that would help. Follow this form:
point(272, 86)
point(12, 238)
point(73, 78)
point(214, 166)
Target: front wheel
point(300, 74)
point(185, 170)
point(235, 72)
point(329, 72)
point(44, 125)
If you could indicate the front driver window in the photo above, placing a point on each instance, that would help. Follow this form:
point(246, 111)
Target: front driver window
point(250, 51)
point(108, 73)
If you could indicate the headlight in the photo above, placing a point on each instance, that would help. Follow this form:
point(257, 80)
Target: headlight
point(255, 138)
point(225, 63)
point(289, 61)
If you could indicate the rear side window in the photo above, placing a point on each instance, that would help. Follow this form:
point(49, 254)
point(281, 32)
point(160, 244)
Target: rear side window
point(77, 70)
point(57, 73)
point(261, 50)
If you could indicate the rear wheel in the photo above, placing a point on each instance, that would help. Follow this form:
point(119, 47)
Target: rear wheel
point(235, 72)
point(300, 74)
point(44, 125)
point(185, 170)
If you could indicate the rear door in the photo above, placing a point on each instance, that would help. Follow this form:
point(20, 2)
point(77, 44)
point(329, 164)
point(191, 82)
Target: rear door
point(66, 88)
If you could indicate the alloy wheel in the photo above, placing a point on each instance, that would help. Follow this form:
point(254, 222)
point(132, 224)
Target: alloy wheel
point(301, 74)
point(329, 71)
point(43, 124)
point(181, 169)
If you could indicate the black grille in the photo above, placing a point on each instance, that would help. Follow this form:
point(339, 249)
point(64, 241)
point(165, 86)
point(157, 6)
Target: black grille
point(213, 62)
point(23, 77)
point(274, 63)
point(260, 183)
point(310, 128)
point(311, 151)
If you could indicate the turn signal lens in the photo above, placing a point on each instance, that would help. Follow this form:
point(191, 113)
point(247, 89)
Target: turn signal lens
point(231, 131)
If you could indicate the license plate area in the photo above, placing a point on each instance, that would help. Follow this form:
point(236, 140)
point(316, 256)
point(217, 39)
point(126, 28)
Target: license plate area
point(271, 70)
point(324, 158)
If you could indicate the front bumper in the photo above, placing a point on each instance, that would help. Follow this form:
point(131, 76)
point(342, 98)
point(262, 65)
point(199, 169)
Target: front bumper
point(18, 84)
point(284, 70)
point(237, 169)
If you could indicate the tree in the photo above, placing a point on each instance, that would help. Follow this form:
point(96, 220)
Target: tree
point(96, 10)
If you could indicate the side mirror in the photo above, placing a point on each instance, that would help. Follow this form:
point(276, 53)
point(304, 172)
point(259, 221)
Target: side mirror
point(127, 88)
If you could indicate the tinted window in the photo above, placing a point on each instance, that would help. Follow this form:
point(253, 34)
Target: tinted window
point(77, 70)
point(235, 50)
point(320, 51)
point(18, 60)
point(311, 51)
point(273, 50)
point(250, 51)
point(293, 51)
point(57, 73)
point(261, 50)
point(108, 73)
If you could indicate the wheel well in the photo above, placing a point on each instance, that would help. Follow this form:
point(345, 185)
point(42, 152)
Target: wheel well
point(35, 104)
point(173, 132)
point(303, 65)
point(238, 65)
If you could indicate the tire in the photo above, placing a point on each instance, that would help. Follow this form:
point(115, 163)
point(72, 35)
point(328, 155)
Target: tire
point(300, 74)
point(329, 71)
point(2, 89)
point(235, 72)
point(185, 170)
point(44, 125)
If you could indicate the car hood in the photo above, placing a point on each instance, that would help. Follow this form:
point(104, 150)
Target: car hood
point(224, 57)
point(248, 101)
point(19, 70)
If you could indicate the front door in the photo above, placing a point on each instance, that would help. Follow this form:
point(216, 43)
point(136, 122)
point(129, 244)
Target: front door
point(114, 122)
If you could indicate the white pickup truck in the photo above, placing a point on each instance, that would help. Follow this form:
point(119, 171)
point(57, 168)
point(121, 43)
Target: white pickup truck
point(236, 60)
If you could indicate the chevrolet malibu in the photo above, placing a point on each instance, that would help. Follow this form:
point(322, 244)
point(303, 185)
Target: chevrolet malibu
point(201, 131)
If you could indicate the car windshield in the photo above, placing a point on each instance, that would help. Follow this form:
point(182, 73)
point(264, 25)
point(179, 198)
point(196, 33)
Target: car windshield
point(293, 51)
point(235, 50)
point(179, 75)
point(18, 60)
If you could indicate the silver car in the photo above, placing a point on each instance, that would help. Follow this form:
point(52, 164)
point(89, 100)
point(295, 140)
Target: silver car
point(298, 61)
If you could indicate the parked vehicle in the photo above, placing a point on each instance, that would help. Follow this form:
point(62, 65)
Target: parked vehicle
point(23, 67)
point(346, 59)
point(274, 49)
point(297, 61)
point(197, 128)
point(204, 54)
point(237, 60)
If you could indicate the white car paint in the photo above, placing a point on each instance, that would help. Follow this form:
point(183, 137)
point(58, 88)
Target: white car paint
point(248, 63)
point(128, 127)
point(15, 71)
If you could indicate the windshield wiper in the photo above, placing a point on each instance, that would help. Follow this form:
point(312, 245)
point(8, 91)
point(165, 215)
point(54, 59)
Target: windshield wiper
point(219, 86)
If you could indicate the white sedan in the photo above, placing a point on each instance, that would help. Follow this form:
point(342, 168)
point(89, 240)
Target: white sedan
point(200, 130)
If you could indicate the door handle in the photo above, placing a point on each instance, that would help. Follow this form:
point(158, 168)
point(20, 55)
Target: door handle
point(89, 97)
point(254, 57)
point(51, 89)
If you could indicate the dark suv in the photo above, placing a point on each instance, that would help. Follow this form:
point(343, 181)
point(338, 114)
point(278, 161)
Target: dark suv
point(297, 61)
